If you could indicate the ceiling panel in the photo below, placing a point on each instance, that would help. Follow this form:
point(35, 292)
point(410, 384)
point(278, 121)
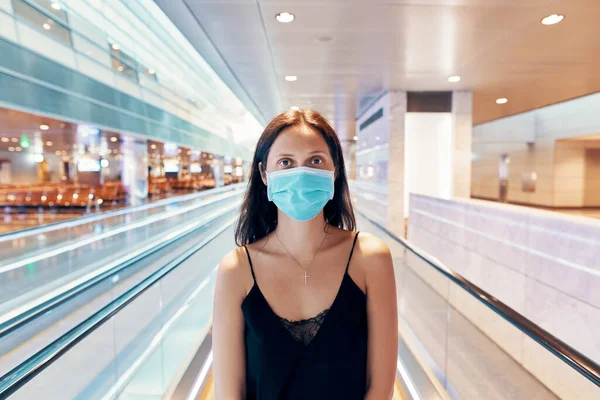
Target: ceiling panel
point(498, 47)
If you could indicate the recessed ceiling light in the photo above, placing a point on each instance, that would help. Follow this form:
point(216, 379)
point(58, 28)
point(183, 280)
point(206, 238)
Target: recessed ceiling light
point(18, 148)
point(56, 6)
point(502, 100)
point(291, 78)
point(355, 138)
point(113, 139)
point(552, 19)
point(285, 17)
point(14, 140)
point(115, 46)
point(57, 152)
point(11, 149)
point(44, 127)
point(454, 79)
point(151, 71)
point(5, 139)
point(294, 108)
point(153, 146)
point(46, 26)
point(49, 143)
point(120, 68)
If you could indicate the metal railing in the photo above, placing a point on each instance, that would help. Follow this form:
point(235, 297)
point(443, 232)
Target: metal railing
point(36, 230)
point(116, 267)
point(575, 359)
point(37, 363)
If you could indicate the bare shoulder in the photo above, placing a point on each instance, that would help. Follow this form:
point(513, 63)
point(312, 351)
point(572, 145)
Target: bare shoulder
point(234, 272)
point(371, 248)
point(375, 256)
point(233, 261)
point(371, 262)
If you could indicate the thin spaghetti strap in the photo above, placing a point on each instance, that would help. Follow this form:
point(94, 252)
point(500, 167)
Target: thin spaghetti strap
point(352, 251)
point(250, 262)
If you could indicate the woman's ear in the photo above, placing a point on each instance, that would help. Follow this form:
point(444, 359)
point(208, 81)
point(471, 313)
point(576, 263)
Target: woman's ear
point(263, 173)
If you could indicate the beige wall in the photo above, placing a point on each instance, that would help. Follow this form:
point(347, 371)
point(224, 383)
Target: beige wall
point(569, 177)
point(577, 173)
point(591, 196)
point(535, 142)
point(524, 158)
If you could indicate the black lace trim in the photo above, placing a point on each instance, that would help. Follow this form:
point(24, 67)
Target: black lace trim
point(305, 330)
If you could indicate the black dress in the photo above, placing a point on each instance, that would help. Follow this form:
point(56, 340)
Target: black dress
point(324, 357)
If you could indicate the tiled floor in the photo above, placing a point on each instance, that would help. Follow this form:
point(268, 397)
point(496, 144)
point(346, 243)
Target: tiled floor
point(585, 212)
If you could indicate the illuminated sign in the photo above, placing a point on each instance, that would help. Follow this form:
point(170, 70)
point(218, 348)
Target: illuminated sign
point(24, 142)
point(88, 164)
point(195, 168)
point(171, 166)
point(86, 130)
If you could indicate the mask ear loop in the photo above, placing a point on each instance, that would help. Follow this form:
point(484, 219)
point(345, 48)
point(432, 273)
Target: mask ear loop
point(333, 184)
point(264, 170)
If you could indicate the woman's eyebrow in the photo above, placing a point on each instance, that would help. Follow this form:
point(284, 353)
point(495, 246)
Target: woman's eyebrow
point(292, 155)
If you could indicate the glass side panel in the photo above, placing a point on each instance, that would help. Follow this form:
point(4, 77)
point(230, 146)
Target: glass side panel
point(38, 271)
point(464, 361)
point(143, 349)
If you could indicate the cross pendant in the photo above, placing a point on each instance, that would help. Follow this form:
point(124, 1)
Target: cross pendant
point(305, 276)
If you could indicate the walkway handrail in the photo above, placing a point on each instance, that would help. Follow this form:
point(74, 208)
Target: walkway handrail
point(74, 244)
point(36, 230)
point(37, 363)
point(27, 316)
point(560, 349)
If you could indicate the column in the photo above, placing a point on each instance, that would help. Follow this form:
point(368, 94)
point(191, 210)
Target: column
point(134, 166)
point(349, 152)
point(396, 162)
point(218, 171)
point(462, 133)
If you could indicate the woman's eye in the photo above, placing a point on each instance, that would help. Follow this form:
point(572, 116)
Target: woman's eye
point(317, 161)
point(284, 163)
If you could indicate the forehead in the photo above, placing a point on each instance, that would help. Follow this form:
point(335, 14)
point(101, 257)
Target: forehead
point(299, 139)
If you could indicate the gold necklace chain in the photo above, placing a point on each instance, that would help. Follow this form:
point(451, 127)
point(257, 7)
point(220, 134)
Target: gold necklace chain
point(305, 276)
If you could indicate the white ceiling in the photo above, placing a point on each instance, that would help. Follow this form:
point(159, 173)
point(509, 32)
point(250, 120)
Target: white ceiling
point(498, 47)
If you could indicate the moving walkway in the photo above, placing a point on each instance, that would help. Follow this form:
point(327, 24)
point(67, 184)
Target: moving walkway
point(145, 331)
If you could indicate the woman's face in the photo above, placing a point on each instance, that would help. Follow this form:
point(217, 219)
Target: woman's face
point(299, 146)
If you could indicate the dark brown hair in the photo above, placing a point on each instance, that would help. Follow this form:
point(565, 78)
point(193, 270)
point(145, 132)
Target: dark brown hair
point(258, 216)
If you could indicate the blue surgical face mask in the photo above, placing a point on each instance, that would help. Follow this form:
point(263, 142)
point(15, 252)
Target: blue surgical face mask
point(302, 192)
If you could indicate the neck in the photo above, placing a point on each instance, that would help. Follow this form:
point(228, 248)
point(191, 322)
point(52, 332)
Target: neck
point(300, 237)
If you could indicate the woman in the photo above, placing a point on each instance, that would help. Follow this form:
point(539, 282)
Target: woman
point(305, 308)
